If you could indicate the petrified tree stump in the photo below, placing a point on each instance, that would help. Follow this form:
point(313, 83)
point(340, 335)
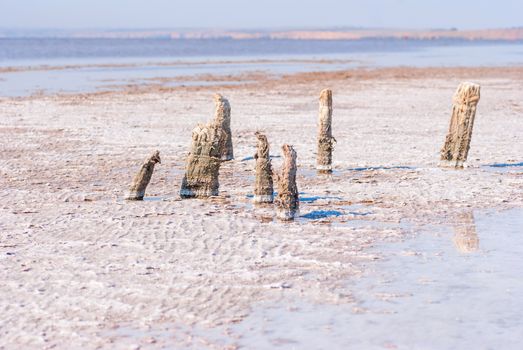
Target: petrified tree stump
point(222, 117)
point(325, 140)
point(457, 143)
point(142, 178)
point(203, 163)
point(263, 190)
point(287, 202)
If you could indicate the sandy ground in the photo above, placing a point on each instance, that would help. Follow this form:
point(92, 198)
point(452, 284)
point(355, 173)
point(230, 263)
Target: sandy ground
point(78, 264)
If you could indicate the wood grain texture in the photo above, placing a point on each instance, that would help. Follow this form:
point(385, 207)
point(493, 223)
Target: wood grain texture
point(325, 139)
point(264, 188)
point(457, 143)
point(287, 201)
point(143, 177)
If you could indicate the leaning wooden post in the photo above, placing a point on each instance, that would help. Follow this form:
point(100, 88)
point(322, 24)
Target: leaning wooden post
point(287, 201)
point(325, 139)
point(222, 117)
point(203, 163)
point(457, 143)
point(263, 190)
point(142, 178)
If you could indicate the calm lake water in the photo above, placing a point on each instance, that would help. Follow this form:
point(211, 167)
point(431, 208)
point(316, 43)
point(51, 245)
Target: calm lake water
point(136, 61)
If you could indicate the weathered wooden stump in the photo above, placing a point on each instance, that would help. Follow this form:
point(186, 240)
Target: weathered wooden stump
point(203, 163)
point(287, 201)
point(222, 117)
point(263, 190)
point(142, 178)
point(465, 238)
point(325, 140)
point(457, 143)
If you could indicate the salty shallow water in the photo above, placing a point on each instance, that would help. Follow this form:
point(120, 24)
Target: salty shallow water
point(33, 51)
point(505, 167)
point(109, 63)
point(447, 288)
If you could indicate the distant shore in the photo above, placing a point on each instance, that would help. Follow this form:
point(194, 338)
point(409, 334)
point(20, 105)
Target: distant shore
point(505, 34)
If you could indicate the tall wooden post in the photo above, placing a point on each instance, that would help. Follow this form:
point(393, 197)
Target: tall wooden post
point(287, 201)
point(263, 190)
point(222, 117)
point(203, 163)
point(142, 178)
point(457, 143)
point(325, 139)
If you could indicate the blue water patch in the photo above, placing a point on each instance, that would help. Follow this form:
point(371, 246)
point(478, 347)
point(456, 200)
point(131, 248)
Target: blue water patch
point(154, 199)
point(252, 158)
point(305, 199)
point(321, 214)
point(313, 199)
point(355, 213)
point(382, 168)
point(505, 165)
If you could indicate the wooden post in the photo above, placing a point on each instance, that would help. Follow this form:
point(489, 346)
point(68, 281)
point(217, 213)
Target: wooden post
point(465, 237)
point(287, 201)
point(325, 139)
point(203, 163)
point(263, 191)
point(457, 143)
point(222, 117)
point(142, 178)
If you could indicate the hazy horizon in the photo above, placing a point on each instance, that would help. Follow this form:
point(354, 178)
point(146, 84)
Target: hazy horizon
point(247, 29)
point(271, 14)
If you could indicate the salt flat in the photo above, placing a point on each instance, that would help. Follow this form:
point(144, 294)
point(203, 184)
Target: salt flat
point(78, 262)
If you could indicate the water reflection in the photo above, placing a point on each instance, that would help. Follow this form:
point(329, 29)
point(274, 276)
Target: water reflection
point(465, 238)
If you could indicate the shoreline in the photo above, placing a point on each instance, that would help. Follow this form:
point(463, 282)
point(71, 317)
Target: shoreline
point(254, 79)
point(172, 65)
point(184, 61)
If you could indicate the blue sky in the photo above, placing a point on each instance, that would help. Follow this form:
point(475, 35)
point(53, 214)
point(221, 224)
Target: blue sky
point(68, 14)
